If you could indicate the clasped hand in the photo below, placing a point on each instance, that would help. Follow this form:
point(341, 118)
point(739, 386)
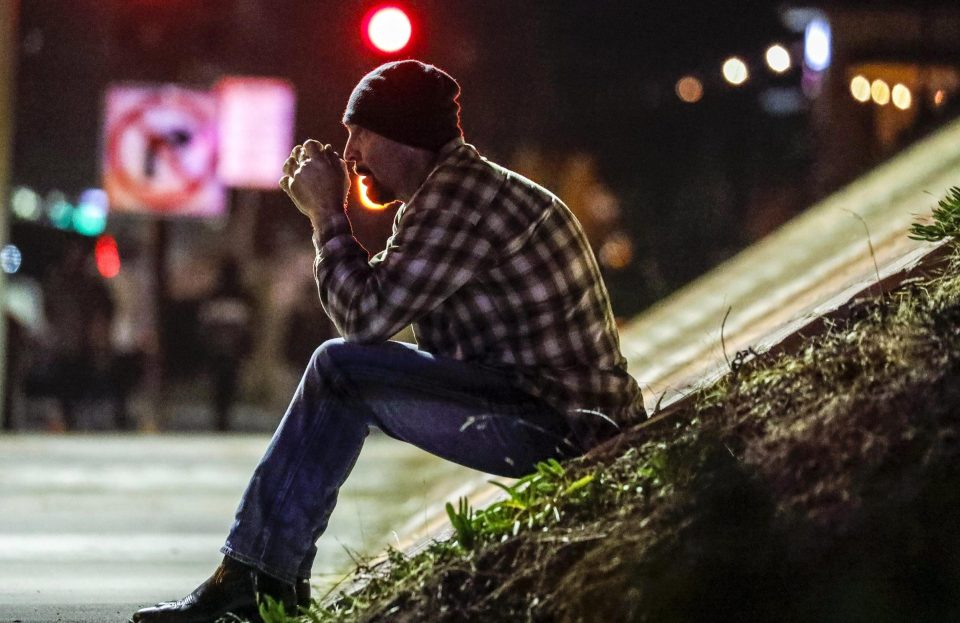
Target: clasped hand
point(315, 178)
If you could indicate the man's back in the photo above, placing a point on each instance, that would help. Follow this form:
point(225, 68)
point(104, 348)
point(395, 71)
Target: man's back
point(532, 301)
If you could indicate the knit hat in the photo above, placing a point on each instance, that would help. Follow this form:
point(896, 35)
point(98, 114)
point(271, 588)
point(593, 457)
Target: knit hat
point(409, 102)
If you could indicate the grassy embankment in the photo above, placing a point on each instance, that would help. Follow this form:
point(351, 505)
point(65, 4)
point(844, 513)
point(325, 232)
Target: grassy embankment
point(817, 485)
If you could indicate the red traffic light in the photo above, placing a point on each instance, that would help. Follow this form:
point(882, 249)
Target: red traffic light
point(107, 256)
point(387, 29)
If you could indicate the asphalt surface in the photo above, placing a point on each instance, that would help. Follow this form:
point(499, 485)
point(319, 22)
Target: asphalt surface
point(93, 527)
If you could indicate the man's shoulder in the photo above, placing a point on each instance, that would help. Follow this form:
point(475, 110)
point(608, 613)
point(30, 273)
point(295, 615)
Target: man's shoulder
point(466, 162)
point(468, 167)
point(465, 178)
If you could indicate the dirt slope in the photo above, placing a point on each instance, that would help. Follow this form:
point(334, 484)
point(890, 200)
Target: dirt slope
point(819, 485)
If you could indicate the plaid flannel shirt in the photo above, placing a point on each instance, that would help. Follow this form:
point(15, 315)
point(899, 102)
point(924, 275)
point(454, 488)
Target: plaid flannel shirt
point(489, 268)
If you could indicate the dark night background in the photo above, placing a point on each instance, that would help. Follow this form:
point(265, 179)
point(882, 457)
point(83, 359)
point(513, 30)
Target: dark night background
point(580, 96)
point(559, 78)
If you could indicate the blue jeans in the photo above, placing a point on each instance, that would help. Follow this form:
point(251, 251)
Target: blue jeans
point(466, 413)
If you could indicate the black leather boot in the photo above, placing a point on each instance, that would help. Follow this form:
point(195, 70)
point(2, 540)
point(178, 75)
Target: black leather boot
point(233, 588)
point(303, 592)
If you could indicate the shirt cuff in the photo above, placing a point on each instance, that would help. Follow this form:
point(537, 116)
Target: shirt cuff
point(334, 234)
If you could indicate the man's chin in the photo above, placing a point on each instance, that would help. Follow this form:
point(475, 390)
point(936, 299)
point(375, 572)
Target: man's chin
point(376, 193)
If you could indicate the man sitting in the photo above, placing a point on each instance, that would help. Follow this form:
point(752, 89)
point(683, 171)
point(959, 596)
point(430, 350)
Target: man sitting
point(517, 357)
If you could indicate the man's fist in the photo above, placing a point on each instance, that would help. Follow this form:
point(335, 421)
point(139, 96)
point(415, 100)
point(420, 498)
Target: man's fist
point(315, 178)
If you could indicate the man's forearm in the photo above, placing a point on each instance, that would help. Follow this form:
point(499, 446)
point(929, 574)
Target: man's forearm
point(328, 226)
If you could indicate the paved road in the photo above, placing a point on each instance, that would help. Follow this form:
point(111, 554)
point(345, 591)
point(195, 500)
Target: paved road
point(93, 526)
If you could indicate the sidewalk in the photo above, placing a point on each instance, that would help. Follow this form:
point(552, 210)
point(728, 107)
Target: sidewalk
point(94, 526)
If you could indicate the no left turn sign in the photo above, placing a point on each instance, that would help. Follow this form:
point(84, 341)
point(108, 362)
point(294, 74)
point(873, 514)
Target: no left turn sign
point(160, 151)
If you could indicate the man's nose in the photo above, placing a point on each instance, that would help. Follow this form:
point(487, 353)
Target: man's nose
point(349, 152)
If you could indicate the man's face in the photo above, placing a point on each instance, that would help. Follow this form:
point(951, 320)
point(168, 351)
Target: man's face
point(377, 160)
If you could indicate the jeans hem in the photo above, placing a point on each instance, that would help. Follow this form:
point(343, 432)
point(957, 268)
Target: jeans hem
point(270, 570)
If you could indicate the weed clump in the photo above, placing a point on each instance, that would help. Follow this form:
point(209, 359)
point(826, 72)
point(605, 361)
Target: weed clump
point(946, 220)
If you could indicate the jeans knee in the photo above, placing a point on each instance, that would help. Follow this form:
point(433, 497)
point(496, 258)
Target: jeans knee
point(325, 354)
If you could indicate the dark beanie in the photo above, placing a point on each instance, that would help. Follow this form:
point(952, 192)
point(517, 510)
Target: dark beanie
point(409, 102)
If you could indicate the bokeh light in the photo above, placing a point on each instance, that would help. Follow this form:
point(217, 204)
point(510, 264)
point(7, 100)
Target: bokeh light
point(616, 251)
point(940, 97)
point(90, 215)
point(735, 71)
point(602, 204)
point(25, 203)
point(902, 98)
point(778, 58)
point(860, 89)
point(10, 259)
point(107, 255)
point(816, 48)
point(880, 92)
point(689, 89)
point(388, 29)
point(59, 210)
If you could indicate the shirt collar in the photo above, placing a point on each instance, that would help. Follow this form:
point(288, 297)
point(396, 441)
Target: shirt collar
point(449, 148)
point(446, 153)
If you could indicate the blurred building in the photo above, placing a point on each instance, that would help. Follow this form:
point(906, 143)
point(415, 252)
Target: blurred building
point(674, 154)
point(895, 77)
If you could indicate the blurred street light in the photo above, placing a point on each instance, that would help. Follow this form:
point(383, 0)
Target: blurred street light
point(25, 203)
point(816, 49)
point(735, 71)
point(617, 251)
point(90, 215)
point(860, 89)
point(59, 210)
point(902, 98)
point(107, 256)
point(778, 58)
point(10, 259)
point(880, 92)
point(689, 89)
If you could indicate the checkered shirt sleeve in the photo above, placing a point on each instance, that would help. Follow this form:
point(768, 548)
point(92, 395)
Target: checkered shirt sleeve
point(435, 249)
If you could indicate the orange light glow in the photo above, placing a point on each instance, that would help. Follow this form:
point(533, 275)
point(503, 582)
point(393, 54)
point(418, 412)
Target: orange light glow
point(689, 89)
point(939, 97)
point(617, 251)
point(366, 201)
